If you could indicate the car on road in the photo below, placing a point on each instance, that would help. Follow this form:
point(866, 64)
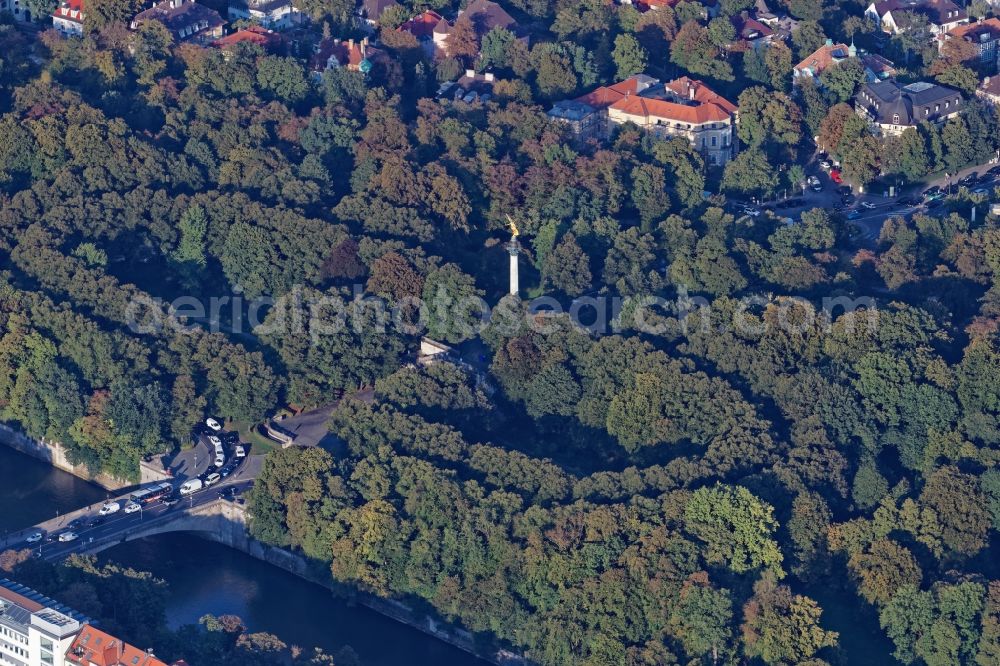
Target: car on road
point(220, 461)
point(110, 508)
point(190, 486)
point(981, 190)
point(96, 522)
point(241, 452)
point(854, 214)
point(212, 479)
point(995, 171)
point(67, 536)
point(132, 507)
point(35, 538)
point(867, 204)
point(934, 203)
point(213, 424)
point(170, 501)
point(968, 180)
point(75, 524)
point(908, 201)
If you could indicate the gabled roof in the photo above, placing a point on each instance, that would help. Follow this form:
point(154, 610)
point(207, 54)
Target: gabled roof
point(267, 39)
point(683, 86)
point(937, 12)
point(824, 56)
point(181, 15)
point(348, 54)
point(982, 31)
point(749, 28)
point(422, 26)
point(93, 647)
point(486, 15)
point(636, 105)
point(605, 96)
point(373, 9)
point(70, 10)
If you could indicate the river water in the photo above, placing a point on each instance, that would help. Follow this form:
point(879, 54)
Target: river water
point(206, 577)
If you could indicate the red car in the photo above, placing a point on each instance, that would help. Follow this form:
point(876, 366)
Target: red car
point(835, 176)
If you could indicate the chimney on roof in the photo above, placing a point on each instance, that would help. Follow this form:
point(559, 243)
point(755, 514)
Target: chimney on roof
point(350, 44)
point(691, 90)
point(470, 73)
point(488, 76)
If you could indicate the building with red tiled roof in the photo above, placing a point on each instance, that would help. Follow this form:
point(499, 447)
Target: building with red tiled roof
point(266, 39)
point(93, 647)
point(356, 56)
point(68, 17)
point(750, 31)
point(422, 27)
point(682, 107)
point(983, 34)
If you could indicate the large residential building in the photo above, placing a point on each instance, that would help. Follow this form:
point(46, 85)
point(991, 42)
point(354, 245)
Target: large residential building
point(484, 15)
point(186, 20)
point(683, 107)
point(891, 15)
point(892, 108)
point(268, 40)
point(989, 90)
point(93, 647)
point(17, 8)
point(272, 14)
point(984, 35)
point(422, 27)
point(34, 630)
point(876, 67)
point(68, 17)
point(355, 55)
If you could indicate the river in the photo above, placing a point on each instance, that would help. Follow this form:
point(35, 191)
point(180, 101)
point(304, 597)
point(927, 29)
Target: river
point(206, 577)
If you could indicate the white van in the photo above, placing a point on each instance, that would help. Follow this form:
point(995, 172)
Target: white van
point(241, 452)
point(190, 486)
point(220, 461)
point(212, 479)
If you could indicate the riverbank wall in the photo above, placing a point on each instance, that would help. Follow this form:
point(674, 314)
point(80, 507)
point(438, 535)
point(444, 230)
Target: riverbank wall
point(55, 454)
point(233, 533)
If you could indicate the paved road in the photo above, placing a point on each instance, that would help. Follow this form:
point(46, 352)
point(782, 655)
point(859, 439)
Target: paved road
point(119, 525)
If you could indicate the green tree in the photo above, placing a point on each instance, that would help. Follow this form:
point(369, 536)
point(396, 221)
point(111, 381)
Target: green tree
point(781, 627)
point(736, 528)
point(629, 56)
point(567, 267)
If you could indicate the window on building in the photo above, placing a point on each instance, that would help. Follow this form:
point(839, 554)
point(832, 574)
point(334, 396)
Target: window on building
point(714, 141)
point(895, 119)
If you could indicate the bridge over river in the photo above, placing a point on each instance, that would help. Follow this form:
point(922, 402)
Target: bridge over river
point(214, 510)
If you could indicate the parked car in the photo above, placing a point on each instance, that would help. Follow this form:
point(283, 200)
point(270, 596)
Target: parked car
point(132, 507)
point(242, 452)
point(854, 214)
point(825, 164)
point(35, 538)
point(968, 180)
point(845, 190)
point(229, 437)
point(220, 461)
point(213, 424)
point(67, 536)
point(191, 486)
point(981, 190)
point(212, 479)
point(867, 204)
point(110, 508)
point(835, 176)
